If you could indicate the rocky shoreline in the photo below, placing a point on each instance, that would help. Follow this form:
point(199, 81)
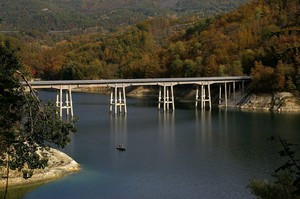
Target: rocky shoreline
point(275, 102)
point(59, 165)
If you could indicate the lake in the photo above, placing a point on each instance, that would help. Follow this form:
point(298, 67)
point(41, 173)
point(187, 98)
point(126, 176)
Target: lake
point(187, 153)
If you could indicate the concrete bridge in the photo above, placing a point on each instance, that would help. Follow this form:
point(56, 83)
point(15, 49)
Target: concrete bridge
point(227, 86)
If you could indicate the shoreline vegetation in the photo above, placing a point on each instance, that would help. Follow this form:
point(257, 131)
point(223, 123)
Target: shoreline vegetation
point(59, 165)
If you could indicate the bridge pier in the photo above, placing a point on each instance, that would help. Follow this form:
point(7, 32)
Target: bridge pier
point(167, 97)
point(232, 90)
point(117, 99)
point(68, 105)
point(204, 96)
point(225, 98)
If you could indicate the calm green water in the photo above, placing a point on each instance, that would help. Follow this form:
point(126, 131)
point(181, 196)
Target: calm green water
point(186, 154)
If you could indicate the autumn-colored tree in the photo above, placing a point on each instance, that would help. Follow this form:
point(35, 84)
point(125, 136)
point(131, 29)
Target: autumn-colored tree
point(279, 75)
point(262, 78)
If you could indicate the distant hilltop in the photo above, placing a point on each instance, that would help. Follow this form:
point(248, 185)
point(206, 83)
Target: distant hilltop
point(106, 14)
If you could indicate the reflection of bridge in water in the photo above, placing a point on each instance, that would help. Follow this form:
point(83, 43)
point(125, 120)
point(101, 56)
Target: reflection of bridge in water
point(227, 86)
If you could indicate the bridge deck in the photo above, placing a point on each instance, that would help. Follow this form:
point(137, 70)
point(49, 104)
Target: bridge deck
point(118, 96)
point(137, 82)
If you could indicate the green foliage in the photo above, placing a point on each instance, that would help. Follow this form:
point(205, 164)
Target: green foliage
point(287, 176)
point(199, 27)
point(270, 31)
point(71, 71)
point(81, 15)
point(281, 189)
point(292, 163)
point(27, 128)
point(10, 98)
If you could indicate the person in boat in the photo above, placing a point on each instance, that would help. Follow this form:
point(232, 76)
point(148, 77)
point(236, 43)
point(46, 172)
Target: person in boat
point(121, 147)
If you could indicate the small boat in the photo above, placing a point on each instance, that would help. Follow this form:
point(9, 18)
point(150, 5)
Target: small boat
point(121, 147)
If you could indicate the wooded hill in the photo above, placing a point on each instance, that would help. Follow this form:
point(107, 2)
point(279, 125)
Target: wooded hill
point(100, 15)
point(260, 38)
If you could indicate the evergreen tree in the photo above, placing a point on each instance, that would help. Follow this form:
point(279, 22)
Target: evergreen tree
point(27, 127)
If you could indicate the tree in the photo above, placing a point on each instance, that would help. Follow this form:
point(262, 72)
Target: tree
point(263, 78)
point(27, 128)
point(280, 81)
point(189, 68)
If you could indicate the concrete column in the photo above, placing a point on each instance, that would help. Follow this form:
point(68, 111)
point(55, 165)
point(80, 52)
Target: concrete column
point(60, 102)
point(124, 100)
point(117, 100)
point(209, 96)
point(220, 94)
point(67, 104)
point(159, 98)
point(225, 96)
point(164, 98)
point(57, 101)
point(167, 97)
point(205, 95)
point(111, 102)
point(233, 89)
point(197, 97)
point(71, 101)
point(172, 94)
point(202, 96)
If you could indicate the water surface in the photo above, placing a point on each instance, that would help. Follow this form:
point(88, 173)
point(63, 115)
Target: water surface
point(185, 154)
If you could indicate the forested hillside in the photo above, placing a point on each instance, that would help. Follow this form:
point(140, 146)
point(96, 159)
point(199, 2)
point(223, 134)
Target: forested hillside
point(260, 39)
point(100, 15)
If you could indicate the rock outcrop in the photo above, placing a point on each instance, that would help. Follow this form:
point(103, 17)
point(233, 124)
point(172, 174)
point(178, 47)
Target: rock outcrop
point(59, 165)
point(278, 102)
